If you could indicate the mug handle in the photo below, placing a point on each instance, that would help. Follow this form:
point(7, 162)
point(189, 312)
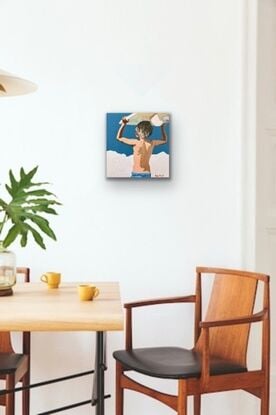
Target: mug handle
point(96, 293)
point(44, 278)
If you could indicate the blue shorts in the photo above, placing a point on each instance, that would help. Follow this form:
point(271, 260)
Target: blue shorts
point(140, 175)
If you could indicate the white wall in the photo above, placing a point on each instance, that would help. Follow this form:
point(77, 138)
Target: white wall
point(92, 57)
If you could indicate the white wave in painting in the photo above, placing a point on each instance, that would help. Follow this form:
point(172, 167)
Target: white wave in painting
point(120, 165)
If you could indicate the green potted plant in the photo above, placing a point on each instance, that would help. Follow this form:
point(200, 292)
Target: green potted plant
point(28, 202)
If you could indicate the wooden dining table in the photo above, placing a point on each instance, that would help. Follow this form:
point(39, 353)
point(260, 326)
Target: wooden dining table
point(34, 307)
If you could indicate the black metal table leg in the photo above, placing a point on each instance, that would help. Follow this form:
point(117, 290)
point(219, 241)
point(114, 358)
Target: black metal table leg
point(98, 390)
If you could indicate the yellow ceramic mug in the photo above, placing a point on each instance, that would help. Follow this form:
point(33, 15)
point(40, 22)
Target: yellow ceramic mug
point(87, 292)
point(51, 278)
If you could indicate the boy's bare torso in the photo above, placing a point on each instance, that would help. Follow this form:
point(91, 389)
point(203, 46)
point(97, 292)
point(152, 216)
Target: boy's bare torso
point(142, 152)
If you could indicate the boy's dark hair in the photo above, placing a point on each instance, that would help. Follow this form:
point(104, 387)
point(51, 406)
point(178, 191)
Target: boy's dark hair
point(145, 127)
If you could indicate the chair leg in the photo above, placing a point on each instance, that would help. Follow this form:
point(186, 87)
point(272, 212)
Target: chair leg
point(265, 400)
point(10, 384)
point(182, 397)
point(197, 404)
point(119, 390)
point(26, 395)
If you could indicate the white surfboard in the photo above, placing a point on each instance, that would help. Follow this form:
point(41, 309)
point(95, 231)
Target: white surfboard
point(155, 118)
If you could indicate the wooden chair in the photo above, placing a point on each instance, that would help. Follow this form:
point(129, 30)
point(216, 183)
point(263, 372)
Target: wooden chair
point(218, 360)
point(15, 367)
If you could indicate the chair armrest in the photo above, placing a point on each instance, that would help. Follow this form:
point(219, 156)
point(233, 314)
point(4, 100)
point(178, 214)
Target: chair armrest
point(235, 321)
point(154, 301)
point(166, 300)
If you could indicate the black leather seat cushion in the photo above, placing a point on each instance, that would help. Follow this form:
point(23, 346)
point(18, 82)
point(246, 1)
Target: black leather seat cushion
point(172, 363)
point(9, 362)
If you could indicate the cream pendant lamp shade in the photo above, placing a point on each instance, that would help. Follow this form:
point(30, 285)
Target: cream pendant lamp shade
point(11, 85)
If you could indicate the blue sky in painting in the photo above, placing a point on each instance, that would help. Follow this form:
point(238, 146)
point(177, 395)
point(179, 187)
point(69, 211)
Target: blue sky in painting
point(112, 126)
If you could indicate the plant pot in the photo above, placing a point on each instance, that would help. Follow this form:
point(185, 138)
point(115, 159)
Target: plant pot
point(7, 271)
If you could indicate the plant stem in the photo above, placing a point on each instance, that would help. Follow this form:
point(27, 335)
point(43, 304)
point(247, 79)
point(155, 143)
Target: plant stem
point(3, 223)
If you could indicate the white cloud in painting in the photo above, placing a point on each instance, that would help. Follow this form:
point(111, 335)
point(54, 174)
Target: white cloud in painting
point(159, 165)
point(120, 165)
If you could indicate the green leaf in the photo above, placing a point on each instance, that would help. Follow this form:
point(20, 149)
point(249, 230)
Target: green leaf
point(24, 239)
point(3, 204)
point(24, 206)
point(31, 173)
point(37, 237)
point(22, 173)
point(26, 178)
point(9, 190)
point(45, 209)
point(39, 192)
point(14, 184)
point(11, 236)
point(41, 201)
point(43, 224)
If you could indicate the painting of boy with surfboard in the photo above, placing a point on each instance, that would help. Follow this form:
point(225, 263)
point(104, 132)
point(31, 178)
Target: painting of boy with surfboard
point(138, 145)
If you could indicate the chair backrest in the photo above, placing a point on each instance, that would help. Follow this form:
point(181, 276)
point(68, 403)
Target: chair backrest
point(5, 337)
point(233, 295)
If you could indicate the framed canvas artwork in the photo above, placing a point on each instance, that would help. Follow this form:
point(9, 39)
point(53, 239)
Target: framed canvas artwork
point(137, 145)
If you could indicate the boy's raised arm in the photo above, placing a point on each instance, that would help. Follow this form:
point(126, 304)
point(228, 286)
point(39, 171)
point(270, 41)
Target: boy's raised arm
point(119, 137)
point(163, 139)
